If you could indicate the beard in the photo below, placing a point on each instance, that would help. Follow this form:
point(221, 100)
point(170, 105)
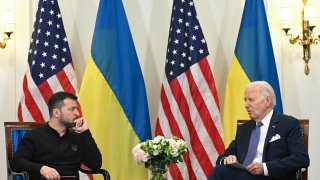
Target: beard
point(65, 122)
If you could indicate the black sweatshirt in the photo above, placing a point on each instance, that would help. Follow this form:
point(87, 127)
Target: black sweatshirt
point(44, 146)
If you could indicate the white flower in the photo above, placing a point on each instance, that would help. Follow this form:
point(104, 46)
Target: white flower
point(157, 139)
point(139, 155)
point(181, 142)
point(155, 153)
point(173, 143)
point(155, 147)
point(160, 149)
point(174, 152)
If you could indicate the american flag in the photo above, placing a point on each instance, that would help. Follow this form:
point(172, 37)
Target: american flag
point(189, 106)
point(50, 64)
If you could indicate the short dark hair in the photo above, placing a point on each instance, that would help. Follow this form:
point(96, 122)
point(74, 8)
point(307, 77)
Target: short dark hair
point(56, 100)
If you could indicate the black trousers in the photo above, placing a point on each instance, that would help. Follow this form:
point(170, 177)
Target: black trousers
point(222, 172)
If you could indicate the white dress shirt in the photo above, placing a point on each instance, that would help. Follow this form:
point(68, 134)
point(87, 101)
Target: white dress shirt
point(263, 134)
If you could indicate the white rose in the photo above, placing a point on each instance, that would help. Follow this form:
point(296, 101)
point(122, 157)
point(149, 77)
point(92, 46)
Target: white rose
point(155, 153)
point(181, 142)
point(157, 139)
point(174, 152)
point(174, 144)
point(155, 146)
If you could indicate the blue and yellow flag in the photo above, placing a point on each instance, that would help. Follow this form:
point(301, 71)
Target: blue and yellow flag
point(253, 60)
point(112, 93)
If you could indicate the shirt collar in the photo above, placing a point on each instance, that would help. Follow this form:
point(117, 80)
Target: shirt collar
point(266, 120)
point(56, 132)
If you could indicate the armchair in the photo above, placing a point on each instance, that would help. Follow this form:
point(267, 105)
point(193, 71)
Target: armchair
point(304, 125)
point(14, 131)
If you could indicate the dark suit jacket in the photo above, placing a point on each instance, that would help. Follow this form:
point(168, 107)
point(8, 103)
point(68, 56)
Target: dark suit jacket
point(283, 157)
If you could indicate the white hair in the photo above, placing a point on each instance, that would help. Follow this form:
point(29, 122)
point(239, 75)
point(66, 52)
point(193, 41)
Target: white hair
point(265, 90)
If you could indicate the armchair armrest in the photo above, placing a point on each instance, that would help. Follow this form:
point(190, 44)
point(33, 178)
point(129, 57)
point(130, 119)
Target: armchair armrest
point(103, 172)
point(301, 174)
point(24, 174)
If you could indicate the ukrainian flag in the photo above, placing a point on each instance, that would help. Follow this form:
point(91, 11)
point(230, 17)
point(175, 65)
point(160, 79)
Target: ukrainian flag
point(112, 93)
point(253, 60)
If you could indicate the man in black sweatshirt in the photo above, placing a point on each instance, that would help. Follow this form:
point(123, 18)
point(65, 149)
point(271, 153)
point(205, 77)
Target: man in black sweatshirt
point(60, 146)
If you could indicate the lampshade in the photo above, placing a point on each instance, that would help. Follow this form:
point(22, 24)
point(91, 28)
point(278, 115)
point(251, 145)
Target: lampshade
point(7, 17)
point(285, 17)
point(285, 14)
point(310, 12)
point(7, 21)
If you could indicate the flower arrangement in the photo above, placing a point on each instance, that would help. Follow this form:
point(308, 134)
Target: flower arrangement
point(158, 153)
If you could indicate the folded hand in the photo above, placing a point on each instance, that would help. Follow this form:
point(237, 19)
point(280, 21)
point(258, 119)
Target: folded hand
point(49, 173)
point(230, 159)
point(81, 125)
point(255, 168)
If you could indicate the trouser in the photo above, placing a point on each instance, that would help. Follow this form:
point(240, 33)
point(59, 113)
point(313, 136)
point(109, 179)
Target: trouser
point(222, 172)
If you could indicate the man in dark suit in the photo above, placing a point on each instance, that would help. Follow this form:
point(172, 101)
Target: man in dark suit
point(269, 146)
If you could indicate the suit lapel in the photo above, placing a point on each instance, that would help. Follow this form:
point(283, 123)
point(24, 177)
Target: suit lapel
point(272, 127)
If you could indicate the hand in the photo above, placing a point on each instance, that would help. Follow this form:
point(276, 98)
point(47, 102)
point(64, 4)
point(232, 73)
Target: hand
point(81, 125)
point(230, 159)
point(49, 173)
point(255, 168)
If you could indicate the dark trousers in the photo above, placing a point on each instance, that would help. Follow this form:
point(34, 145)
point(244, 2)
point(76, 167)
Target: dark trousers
point(222, 172)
